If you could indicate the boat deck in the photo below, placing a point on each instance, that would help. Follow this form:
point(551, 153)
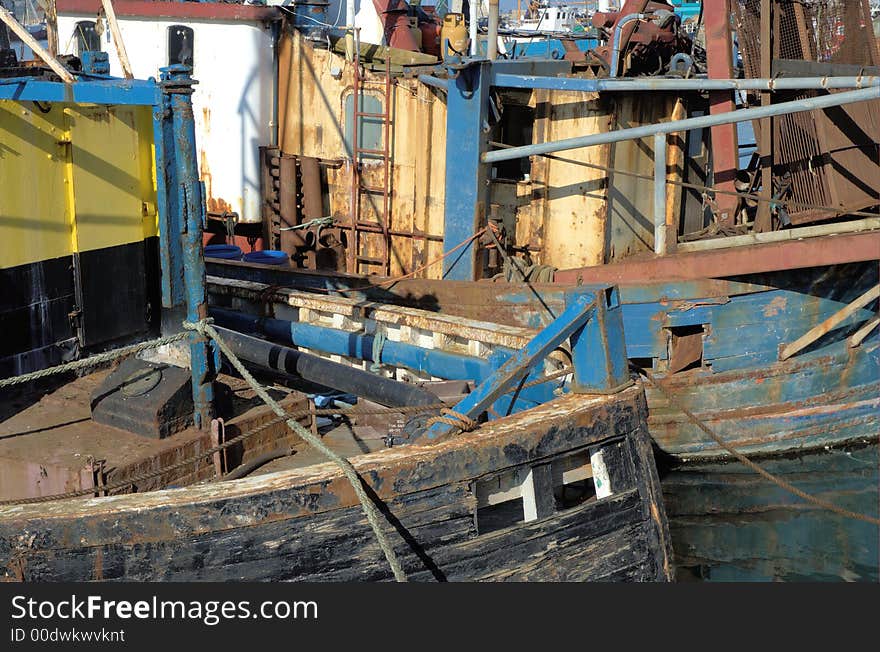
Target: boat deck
point(50, 444)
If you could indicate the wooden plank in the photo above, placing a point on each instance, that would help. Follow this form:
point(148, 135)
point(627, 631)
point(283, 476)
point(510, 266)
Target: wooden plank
point(117, 38)
point(370, 52)
point(821, 329)
point(56, 66)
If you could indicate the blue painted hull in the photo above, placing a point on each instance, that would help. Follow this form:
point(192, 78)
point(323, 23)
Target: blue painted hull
point(729, 524)
point(826, 395)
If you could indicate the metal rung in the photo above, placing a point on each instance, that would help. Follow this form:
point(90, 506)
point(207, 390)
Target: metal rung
point(361, 114)
point(377, 152)
point(372, 189)
point(372, 261)
point(370, 229)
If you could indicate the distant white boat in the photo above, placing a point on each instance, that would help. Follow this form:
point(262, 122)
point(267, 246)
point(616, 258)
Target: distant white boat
point(544, 17)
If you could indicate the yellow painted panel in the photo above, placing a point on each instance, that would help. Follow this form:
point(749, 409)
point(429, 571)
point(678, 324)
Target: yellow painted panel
point(34, 218)
point(112, 175)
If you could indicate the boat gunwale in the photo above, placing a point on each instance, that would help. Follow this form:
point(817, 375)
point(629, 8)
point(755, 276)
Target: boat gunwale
point(576, 410)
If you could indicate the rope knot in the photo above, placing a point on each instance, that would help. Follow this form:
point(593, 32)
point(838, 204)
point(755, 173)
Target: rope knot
point(201, 326)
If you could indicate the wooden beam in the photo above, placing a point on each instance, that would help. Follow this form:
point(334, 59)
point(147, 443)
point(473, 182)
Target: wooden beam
point(34, 45)
point(859, 336)
point(821, 329)
point(117, 38)
point(369, 52)
point(51, 15)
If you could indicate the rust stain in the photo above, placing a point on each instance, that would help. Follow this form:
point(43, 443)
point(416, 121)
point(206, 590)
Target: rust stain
point(777, 305)
point(215, 204)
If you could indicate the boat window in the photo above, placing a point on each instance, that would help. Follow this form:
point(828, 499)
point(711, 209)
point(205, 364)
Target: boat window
point(86, 37)
point(573, 482)
point(180, 45)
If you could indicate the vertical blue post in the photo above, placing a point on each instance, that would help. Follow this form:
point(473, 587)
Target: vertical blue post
point(598, 349)
point(466, 189)
point(186, 188)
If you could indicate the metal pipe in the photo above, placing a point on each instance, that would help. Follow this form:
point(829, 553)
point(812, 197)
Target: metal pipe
point(472, 26)
point(618, 31)
point(492, 37)
point(442, 364)
point(299, 365)
point(349, 30)
point(177, 84)
point(630, 84)
point(436, 82)
point(867, 224)
point(702, 122)
point(660, 194)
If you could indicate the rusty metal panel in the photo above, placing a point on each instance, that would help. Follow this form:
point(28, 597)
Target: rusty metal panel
point(828, 160)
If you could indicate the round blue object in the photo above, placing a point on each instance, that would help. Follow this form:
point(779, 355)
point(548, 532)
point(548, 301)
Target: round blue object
point(230, 252)
point(267, 257)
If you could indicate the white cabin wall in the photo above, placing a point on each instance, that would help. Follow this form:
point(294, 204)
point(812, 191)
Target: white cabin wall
point(232, 103)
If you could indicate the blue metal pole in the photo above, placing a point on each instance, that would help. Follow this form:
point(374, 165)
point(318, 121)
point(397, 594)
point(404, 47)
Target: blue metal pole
point(466, 188)
point(505, 79)
point(177, 86)
point(615, 47)
point(436, 82)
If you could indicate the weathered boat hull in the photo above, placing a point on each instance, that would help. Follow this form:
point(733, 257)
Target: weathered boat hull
point(305, 524)
point(729, 524)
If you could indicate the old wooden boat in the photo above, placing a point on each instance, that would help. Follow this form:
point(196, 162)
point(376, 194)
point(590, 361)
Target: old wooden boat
point(456, 510)
point(135, 467)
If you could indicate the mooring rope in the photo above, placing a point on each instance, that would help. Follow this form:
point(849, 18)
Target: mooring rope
point(92, 361)
point(775, 479)
point(454, 419)
point(372, 513)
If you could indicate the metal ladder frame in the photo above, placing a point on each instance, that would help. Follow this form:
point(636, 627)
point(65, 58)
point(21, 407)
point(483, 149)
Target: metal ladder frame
point(357, 226)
